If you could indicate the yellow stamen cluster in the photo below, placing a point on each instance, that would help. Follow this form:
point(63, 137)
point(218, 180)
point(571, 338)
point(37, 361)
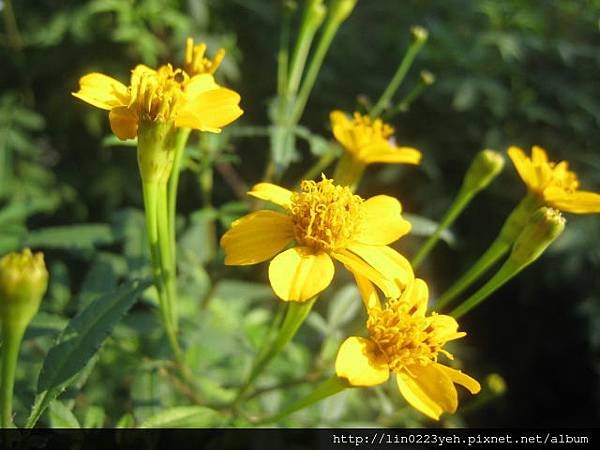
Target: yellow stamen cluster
point(557, 175)
point(325, 216)
point(369, 130)
point(404, 337)
point(156, 95)
point(196, 63)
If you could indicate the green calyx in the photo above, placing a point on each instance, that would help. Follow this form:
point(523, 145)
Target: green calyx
point(156, 144)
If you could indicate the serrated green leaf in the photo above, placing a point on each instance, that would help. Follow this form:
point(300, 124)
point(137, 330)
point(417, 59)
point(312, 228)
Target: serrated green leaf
point(80, 341)
point(185, 417)
point(73, 237)
point(61, 416)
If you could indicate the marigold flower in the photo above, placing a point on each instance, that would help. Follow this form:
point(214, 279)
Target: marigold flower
point(370, 141)
point(554, 183)
point(404, 340)
point(165, 95)
point(324, 221)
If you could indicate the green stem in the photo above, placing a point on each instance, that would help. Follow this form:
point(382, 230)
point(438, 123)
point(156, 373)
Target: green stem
point(504, 274)
point(295, 316)
point(405, 103)
point(11, 342)
point(460, 203)
point(329, 387)
point(166, 255)
point(397, 79)
point(283, 53)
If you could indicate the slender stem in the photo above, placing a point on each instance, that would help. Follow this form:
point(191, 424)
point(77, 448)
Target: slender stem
point(404, 104)
point(460, 203)
point(295, 316)
point(397, 79)
point(329, 387)
point(509, 232)
point(11, 342)
point(166, 255)
point(283, 53)
point(504, 274)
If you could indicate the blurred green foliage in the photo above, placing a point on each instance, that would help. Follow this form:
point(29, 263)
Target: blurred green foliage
point(511, 72)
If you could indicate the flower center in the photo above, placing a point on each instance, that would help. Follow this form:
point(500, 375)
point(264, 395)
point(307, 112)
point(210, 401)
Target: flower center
point(563, 178)
point(366, 130)
point(403, 337)
point(157, 94)
point(325, 216)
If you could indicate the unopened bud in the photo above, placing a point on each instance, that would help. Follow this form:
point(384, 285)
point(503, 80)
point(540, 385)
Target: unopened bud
point(496, 383)
point(23, 283)
point(419, 34)
point(341, 9)
point(426, 77)
point(486, 166)
point(156, 153)
point(315, 12)
point(544, 226)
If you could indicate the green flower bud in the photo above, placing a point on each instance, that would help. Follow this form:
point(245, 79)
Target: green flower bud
point(23, 283)
point(315, 12)
point(156, 143)
point(419, 34)
point(341, 9)
point(485, 167)
point(426, 77)
point(544, 226)
point(496, 383)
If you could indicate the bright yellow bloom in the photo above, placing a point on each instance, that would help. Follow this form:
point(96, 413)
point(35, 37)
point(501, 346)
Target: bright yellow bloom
point(324, 221)
point(164, 96)
point(404, 340)
point(370, 141)
point(554, 183)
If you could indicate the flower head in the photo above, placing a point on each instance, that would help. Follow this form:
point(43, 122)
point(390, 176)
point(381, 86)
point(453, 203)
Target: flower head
point(370, 141)
point(164, 96)
point(553, 183)
point(324, 221)
point(404, 340)
point(23, 283)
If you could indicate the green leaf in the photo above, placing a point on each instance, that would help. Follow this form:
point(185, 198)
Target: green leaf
point(343, 307)
point(61, 416)
point(185, 417)
point(94, 417)
point(79, 342)
point(126, 421)
point(73, 237)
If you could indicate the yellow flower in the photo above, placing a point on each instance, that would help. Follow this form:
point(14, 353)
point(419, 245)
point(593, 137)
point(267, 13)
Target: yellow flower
point(404, 340)
point(163, 96)
point(324, 221)
point(196, 63)
point(370, 141)
point(554, 183)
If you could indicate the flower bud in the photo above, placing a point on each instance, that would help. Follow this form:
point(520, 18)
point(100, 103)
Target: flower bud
point(341, 9)
point(544, 226)
point(156, 141)
point(426, 77)
point(23, 283)
point(419, 34)
point(496, 383)
point(485, 167)
point(315, 12)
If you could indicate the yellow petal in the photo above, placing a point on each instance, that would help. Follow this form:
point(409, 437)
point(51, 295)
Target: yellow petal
point(102, 91)
point(387, 261)
point(256, 237)
point(428, 389)
point(342, 129)
point(393, 155)
point(298, 274)
point(382, 222)
point(578, 202)
point(210, 110)
point(523, 165)
point(416, 295)
point(445, 328)
point(272, 193)
point(367, 291)
point(123, 122)
point(199, 84)
point(539, 156)
point(461, 378)
point(357, 266)
point(359, 361)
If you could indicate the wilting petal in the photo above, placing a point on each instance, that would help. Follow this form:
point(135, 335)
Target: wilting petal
point(210, 110)
point(392, 155)
point(460, 378)
point(123, 122)
point(358, 266)
point(428, 389)
point(256, 237)
point(382, 222)
point(342, 129)
point(523, 165)
point(387, 261)
point(359, 361)
point(298, 274)
point(272, 193)
point(367, 291)
point(578, 202)
point(102, 91)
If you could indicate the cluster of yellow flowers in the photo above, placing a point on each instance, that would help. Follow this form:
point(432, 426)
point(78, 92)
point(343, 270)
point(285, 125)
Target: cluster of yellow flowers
point(325, 221)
